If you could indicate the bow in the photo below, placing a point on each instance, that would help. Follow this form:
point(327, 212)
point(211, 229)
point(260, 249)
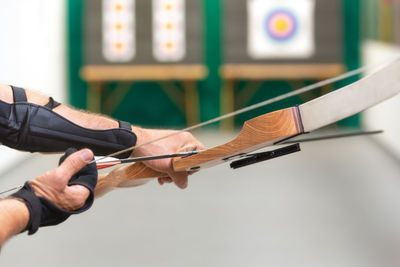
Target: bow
point(272, 128)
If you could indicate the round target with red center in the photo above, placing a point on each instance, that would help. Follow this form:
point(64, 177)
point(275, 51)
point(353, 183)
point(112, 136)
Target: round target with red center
point(281, 25)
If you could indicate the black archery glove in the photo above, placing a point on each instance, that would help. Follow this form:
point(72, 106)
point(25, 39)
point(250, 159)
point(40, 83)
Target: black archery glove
point(43, 212)
point(86, 177)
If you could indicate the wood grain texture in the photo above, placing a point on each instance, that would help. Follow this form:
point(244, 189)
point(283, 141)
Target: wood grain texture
point(281, 71)
point(92, 73)
point(256, 133)
point(125, 176)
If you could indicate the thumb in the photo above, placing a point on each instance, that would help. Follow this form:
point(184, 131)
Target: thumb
point(73, 163)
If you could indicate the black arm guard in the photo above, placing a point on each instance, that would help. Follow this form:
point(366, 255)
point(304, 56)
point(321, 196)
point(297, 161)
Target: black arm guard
point(30, 127)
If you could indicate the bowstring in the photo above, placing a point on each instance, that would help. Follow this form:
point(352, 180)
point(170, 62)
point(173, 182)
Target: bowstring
point(249, 108)
point(243, 110)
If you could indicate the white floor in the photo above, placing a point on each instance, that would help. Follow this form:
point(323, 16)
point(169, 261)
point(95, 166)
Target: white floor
point(336, 203)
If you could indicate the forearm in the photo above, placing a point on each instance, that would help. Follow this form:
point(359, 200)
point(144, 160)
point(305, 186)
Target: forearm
point(14, 216)
point(35, 124)
point(79, 117)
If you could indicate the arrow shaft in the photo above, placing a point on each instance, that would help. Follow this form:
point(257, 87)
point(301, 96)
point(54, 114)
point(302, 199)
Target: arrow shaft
point(107, 164)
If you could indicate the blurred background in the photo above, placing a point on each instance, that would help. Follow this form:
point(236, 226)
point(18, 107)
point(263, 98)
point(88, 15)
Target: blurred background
point(175, 63)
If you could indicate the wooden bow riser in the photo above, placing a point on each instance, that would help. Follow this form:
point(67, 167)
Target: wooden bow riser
point(273, 127)
point(125, 176)
point(256, 133)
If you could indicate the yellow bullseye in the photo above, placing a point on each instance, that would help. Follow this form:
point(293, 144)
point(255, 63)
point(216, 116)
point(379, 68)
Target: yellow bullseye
point(281, 25)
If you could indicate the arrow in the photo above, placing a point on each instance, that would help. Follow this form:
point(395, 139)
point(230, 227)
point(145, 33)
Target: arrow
point(104, 163)
point(276, 126)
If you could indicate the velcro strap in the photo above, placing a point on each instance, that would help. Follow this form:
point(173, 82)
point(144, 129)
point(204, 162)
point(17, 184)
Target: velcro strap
point(52, 103)
point(125, 125)
point(34, 206)
point(19, 94)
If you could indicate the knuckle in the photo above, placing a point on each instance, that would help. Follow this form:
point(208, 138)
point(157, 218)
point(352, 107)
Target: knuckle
point(77, 203)
point(59, 173)
point(71, 165)
point(80, 202)
point(75, 163)
point(187, 135)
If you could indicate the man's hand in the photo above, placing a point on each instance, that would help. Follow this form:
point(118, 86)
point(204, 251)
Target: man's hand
point(53, 185)
point(180, 142)
point(50, 198)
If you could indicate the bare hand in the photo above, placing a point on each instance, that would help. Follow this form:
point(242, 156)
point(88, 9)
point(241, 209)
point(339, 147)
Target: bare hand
point(53, 185)
point(180, 142)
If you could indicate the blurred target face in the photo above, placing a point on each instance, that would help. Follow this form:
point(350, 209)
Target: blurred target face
point(281, 25)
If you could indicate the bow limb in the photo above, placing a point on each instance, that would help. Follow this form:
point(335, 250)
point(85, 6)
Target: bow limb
point(273, 127)
point(276, 126)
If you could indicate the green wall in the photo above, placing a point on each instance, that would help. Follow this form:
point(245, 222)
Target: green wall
point(137, 106)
